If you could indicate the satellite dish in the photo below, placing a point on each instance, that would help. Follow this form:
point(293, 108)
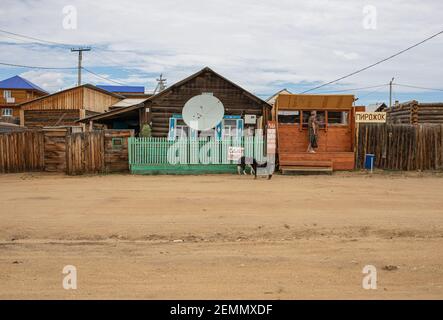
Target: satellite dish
point(203, 112)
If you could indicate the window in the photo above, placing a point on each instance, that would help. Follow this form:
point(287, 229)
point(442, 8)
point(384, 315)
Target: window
point(117, 143)
point(289, 117)
point(321, 118)
point(229, 128)
point(182, 130)
point(7, 112)
point(7, 94)
point(336, 118)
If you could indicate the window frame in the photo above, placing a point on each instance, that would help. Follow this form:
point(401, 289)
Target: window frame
point(7, 114)
point(5, 95)
point(348, 119)
point(295, 123)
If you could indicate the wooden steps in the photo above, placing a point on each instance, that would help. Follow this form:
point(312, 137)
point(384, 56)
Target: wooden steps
point(305, 169)
point(306, 163)
point(324, 160)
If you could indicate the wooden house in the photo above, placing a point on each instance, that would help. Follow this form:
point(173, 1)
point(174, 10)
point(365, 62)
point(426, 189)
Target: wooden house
point(414, 112)
point(14, 91)
point(271, 100)
point(336, 117)
point(65, 107)
point(244, 112)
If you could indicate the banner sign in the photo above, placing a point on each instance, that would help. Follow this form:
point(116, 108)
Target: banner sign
point(370, 117)
point(235, 153)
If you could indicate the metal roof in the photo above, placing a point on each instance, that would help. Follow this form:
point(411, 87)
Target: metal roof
point(129, 102)
point(17, 82)
point(122, 89)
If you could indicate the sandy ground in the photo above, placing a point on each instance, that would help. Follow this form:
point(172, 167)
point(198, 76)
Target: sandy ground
point(221, 237)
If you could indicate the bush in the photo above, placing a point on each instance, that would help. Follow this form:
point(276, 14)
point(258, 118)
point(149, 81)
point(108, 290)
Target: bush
point(145, 132)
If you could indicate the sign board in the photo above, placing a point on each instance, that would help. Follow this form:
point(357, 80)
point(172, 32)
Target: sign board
point(235, 153)
point(370, 117)
point(271, 138)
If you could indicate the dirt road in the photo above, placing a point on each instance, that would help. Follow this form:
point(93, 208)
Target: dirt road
point(224, 236)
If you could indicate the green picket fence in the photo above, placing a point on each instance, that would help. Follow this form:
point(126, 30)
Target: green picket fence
point(160, 151)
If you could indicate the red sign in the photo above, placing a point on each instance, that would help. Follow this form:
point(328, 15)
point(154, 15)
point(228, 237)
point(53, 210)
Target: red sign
point(271, 138)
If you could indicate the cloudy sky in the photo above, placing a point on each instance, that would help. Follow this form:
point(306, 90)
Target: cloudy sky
point(263, 46)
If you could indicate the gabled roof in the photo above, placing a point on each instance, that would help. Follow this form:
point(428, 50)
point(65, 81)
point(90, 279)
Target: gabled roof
point(87, 85)
point(17, 82)
point(202, 71)
point(122, 89)
point(115, 112)
point(272, 98)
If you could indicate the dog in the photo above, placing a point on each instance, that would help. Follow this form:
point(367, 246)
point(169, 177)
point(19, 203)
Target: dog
point(252, 164)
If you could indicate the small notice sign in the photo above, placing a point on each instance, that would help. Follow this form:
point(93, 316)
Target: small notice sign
point(271, 138)
point(235, 153)
point(370, 117)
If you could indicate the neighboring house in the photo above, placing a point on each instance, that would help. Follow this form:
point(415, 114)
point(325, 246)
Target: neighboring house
point(126, 91)
point(414, 112)
point(271, 100)
point(13, 92)
point(376, 107)
point(243, 111)
point(65, 107)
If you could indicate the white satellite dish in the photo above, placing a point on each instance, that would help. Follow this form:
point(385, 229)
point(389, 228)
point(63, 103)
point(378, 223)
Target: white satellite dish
point(203, 112)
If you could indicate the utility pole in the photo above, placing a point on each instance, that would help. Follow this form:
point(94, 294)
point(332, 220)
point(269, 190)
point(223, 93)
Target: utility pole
point(80, 56)
point(161, 84)
point(390, 92)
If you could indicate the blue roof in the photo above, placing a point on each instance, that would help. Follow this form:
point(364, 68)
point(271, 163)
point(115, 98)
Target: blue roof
point(128, 89)
point(17, 82)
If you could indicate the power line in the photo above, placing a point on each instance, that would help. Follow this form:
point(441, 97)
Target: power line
point(369, 93)
point(416, 87)
point(355, 89)
point(35, 67)
point(376, 63)
point(38, 39)
point(104, 78)
point(61, 45)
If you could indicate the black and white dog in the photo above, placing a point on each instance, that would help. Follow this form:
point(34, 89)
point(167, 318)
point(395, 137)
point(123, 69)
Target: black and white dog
point(251, 163)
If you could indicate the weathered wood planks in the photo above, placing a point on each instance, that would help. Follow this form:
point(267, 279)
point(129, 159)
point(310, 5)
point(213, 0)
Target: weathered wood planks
point(401, 146)
point(60, 150)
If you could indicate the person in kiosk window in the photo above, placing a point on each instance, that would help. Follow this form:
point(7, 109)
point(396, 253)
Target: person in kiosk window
point(312, 131)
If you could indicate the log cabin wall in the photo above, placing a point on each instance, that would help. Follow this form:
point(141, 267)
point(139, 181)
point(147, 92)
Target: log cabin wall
point(413, 112)
point(235, 100)
point(51, 118)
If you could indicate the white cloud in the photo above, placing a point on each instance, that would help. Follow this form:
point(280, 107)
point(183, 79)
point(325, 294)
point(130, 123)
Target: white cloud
point(262, 45)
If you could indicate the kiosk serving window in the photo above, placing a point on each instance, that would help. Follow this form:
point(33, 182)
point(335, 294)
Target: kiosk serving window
point(321, 118)
point(337, 118)
point(289, 117)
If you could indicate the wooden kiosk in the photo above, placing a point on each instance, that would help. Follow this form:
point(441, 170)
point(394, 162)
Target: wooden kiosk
point(336, 118)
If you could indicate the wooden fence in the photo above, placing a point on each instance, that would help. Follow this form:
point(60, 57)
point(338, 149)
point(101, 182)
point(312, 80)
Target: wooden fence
point(158, 150)
point(60, 150)
point(401, 146)
point(21, 151)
